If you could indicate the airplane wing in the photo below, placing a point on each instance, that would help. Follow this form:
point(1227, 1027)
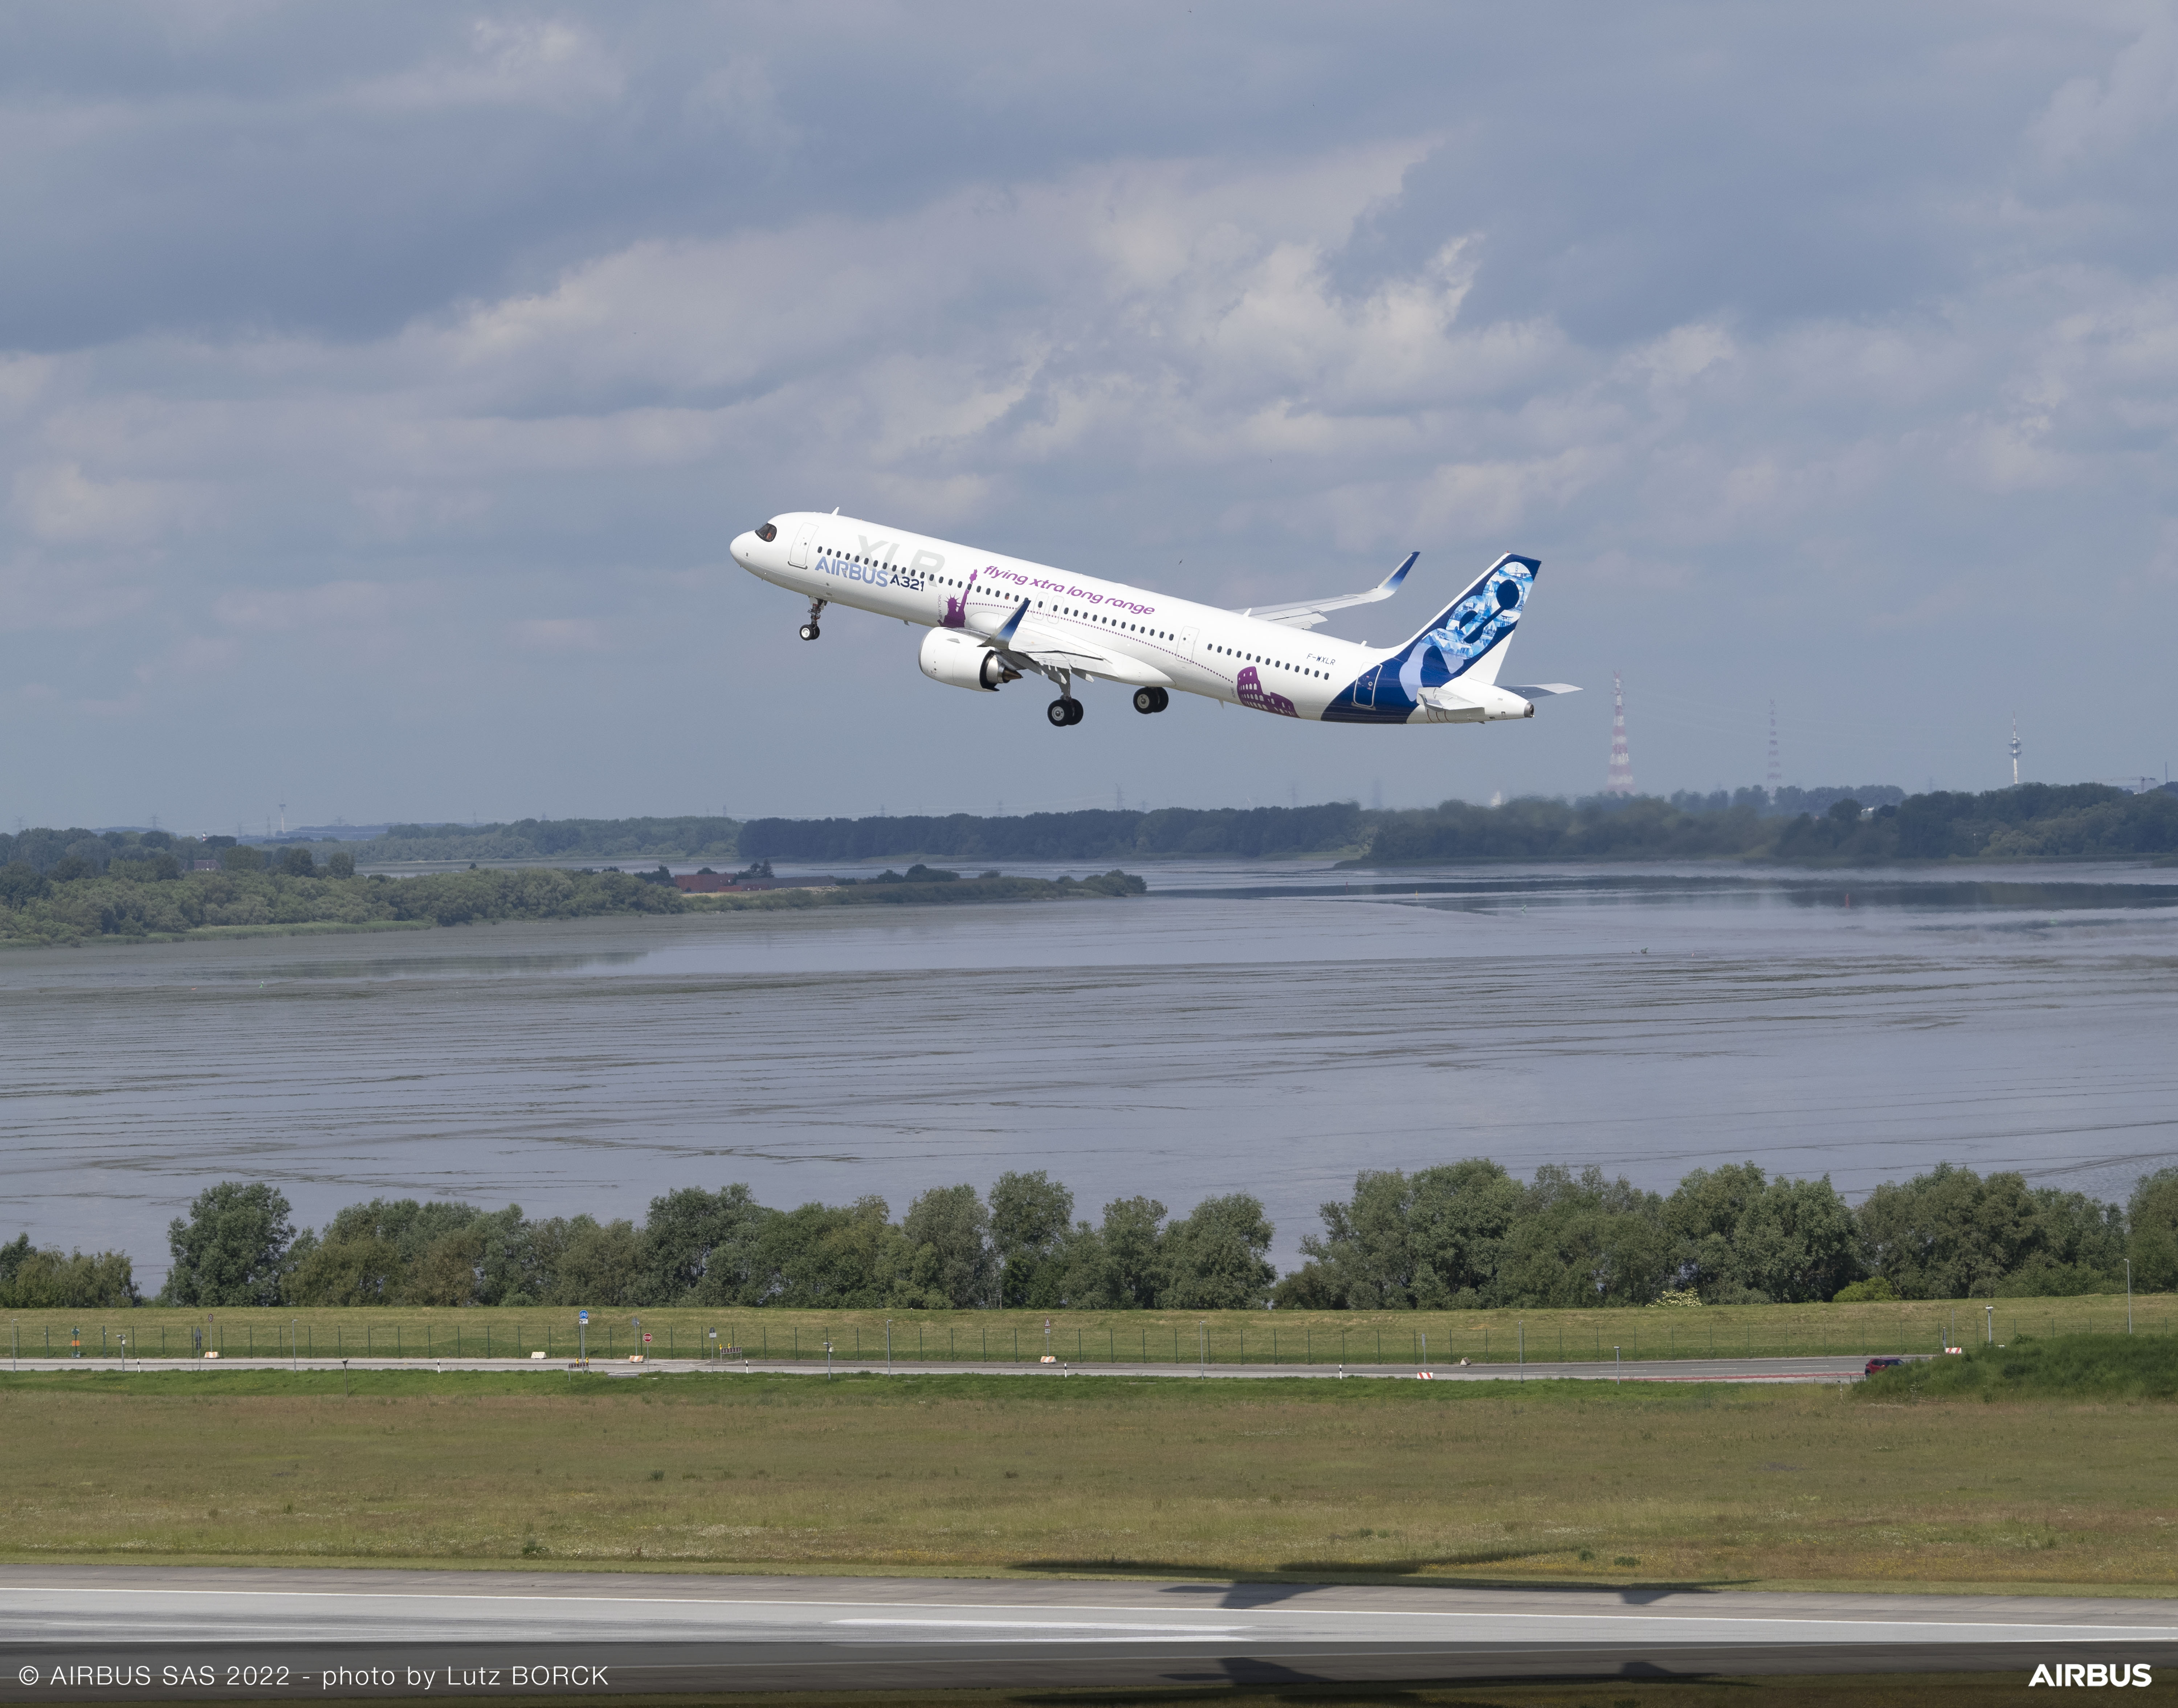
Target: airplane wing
point(1308, 613)
point(1027, 644)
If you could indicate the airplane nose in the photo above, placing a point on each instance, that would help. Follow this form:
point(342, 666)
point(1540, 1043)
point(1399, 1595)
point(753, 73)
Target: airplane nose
point(743, 545)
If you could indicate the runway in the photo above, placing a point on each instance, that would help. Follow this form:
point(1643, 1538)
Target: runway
point(1817, 1368)
point(300, 1631)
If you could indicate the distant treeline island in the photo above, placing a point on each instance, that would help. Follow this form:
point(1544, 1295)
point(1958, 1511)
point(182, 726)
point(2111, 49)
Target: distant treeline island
point(1463, 1235)
point(64, 886)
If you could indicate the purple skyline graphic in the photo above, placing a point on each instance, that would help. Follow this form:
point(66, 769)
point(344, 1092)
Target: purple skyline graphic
point(1250, 688)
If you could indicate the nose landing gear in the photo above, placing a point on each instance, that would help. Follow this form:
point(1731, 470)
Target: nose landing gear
point(809, 630)
point(1063, 713)
point(1149, 700)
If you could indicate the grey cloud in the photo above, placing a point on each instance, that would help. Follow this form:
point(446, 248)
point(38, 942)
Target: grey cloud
point(418, 374)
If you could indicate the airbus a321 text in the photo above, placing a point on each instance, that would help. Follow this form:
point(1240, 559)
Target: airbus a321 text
point(995, 620)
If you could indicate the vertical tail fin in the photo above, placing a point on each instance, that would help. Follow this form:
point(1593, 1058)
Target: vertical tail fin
point(1469, 636)
point(1468, 639)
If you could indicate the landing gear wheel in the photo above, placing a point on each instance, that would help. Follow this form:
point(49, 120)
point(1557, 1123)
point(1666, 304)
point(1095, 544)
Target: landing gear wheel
point(810, 630)
point(1063, 713)
point(1149, 700)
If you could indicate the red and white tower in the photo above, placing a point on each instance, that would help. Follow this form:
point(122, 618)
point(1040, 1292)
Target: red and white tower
point(1620, 779)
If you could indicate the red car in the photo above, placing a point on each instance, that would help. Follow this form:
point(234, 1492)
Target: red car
point(1876, 1363)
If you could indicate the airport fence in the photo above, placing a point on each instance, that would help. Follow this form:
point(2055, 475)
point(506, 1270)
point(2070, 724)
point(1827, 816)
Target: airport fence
point(1116, 1340)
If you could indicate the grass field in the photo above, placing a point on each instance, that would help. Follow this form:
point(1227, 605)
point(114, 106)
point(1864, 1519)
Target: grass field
point(1559, 1482)
point(1099, 1339)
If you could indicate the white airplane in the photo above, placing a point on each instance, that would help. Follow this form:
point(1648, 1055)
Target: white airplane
point(994, 620)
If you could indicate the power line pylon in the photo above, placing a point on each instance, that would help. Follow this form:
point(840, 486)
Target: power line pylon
point(1619, 780)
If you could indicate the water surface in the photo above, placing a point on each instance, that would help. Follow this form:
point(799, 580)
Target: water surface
point(1270, 1027)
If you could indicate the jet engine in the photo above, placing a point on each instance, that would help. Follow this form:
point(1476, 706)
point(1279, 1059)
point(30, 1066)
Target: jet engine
point(963, 662)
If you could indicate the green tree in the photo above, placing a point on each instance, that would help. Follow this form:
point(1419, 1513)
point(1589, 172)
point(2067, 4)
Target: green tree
point(1216, 1259)
point(1031, 1215)
point(950, 1225)
point(1949, 1234)
point(2152, 1232)
point(1583, 1240)
point(297, 861)
point(365, 1270)
point(1366, 1253)
point(21, 882)
point(835, 1255)
point(233, 1249)
point(690, 1233)
point(585, 1261)
point(1742, 1238)
point(1132, 1239)
point(45, 1279)
point(340, 863)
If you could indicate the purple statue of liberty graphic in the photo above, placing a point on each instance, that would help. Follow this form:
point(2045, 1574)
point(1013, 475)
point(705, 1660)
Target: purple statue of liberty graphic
point(957, 609)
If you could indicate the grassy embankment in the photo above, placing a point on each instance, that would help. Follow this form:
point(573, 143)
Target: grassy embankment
point(1123, 1338)
point(1542, 1482)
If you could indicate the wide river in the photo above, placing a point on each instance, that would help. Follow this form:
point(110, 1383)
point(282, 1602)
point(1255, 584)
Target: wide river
point(1271, 1027)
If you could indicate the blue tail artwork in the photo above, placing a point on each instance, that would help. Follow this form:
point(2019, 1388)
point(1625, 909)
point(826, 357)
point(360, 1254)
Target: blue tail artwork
point(1479, 620)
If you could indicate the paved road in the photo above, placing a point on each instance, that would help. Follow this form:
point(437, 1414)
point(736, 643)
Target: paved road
point(1841, 1367)
point(723, 1633)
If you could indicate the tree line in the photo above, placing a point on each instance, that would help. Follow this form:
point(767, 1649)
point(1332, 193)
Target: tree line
point(151, 896)
point(689, 837)
point(1463, 1235)
point(1876, 824)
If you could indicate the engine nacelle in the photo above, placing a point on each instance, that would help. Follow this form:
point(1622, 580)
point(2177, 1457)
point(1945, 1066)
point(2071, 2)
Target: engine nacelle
point(963, 662)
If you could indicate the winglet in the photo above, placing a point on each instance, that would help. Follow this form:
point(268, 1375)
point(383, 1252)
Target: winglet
point(1390, 583)
point(1004, 637)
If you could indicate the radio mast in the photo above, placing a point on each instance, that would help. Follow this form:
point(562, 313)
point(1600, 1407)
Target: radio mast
point(2015, 753)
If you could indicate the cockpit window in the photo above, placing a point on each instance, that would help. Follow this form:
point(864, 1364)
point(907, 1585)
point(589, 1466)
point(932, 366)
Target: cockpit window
point(766, 534)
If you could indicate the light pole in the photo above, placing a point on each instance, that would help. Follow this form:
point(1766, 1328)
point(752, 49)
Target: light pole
point(2128, 1295)
point(1989, 1338)
point(294, 1349)
point(1520, 1334)
point(828, 1360)
point(888, 1346)
point(1618, 1367)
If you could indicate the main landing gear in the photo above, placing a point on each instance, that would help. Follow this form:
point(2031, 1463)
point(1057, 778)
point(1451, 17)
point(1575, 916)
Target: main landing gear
point(1148, 700)
point(1063, 712)
point(809, 630)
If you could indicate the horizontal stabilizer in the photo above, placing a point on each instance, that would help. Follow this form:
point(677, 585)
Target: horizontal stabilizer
point(1308, 613)
point(1542, 691)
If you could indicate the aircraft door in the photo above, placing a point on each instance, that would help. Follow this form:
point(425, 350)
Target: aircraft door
point(1187, 645)
point(797, 554)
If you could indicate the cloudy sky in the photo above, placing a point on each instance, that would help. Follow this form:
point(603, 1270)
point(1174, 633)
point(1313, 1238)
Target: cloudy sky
point(379, 387)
